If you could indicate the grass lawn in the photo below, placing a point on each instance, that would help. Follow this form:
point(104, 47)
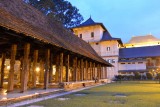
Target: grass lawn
point(135, 94)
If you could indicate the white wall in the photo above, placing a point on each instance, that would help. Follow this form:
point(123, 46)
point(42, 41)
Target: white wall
point(97, 47)
point(112, 71)
point(132, 66)
point(86, 33)
point(101, 47)
point(114, 49)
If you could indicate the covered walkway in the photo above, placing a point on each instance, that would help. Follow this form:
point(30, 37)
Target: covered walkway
point(37, 52)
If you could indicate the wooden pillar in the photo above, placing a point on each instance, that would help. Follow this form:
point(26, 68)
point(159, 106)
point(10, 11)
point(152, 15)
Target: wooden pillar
point(29, 74)
point(25, 69)
point(51, 69)
point(105, 72)
point(102, 73)
point(67, 68)
point(75, 69)
point(81, 70)
point(91, 71)
point(86, 72)
point(2, 70)
point(94, 74)
point(100, 70)
point(41, 76)
point(21, 69)
point(47, 64)
point(11, 71)
point(78, 71)
point(57, 68)
point(35, 56)
point(61, 68)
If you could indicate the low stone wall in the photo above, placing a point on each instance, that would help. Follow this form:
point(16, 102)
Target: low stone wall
point(80, 84)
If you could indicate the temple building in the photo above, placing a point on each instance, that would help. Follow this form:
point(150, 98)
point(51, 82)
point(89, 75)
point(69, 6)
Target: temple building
point(37, 52)
point(140, 54)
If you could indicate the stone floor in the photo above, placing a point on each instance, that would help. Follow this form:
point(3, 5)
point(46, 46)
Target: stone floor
point(16, 96)
point(16, 93)
point(33, 95)
point(30, 101)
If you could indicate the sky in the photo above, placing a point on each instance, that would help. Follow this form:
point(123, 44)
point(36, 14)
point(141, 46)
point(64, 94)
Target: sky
point(123, 18)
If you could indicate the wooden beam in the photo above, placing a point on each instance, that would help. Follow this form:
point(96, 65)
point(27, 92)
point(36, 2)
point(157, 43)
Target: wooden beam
point(11, 72)
point(25, 68)
point(47, 64)
point(2, 70)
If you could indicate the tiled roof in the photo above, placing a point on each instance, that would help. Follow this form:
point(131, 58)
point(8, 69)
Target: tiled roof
point(106, 37)
point(23, 18)
point(90, 22)
point(141, 39)
point(140, 52)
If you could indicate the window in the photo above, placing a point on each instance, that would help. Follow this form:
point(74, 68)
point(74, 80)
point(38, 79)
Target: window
point(80, 35)
point(109, 60)
point(122, 63)
point(108, 48)
point(133, 62)
point(129, 63)
point(140, 62)
point(92, 34)
point(113, 61)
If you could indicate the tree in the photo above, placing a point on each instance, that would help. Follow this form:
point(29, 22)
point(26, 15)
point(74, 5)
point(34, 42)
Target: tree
point(61, 10)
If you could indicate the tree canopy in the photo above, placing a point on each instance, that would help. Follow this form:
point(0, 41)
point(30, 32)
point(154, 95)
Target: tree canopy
point(60, 10)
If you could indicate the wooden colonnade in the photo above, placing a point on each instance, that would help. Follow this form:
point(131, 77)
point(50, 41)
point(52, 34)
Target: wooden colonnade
point(77, 68)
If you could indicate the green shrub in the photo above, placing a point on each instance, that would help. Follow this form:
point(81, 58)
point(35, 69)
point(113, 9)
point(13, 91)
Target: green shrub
point(118, 77)
point(158, 77)
point(149, 75)
point(137, 75)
